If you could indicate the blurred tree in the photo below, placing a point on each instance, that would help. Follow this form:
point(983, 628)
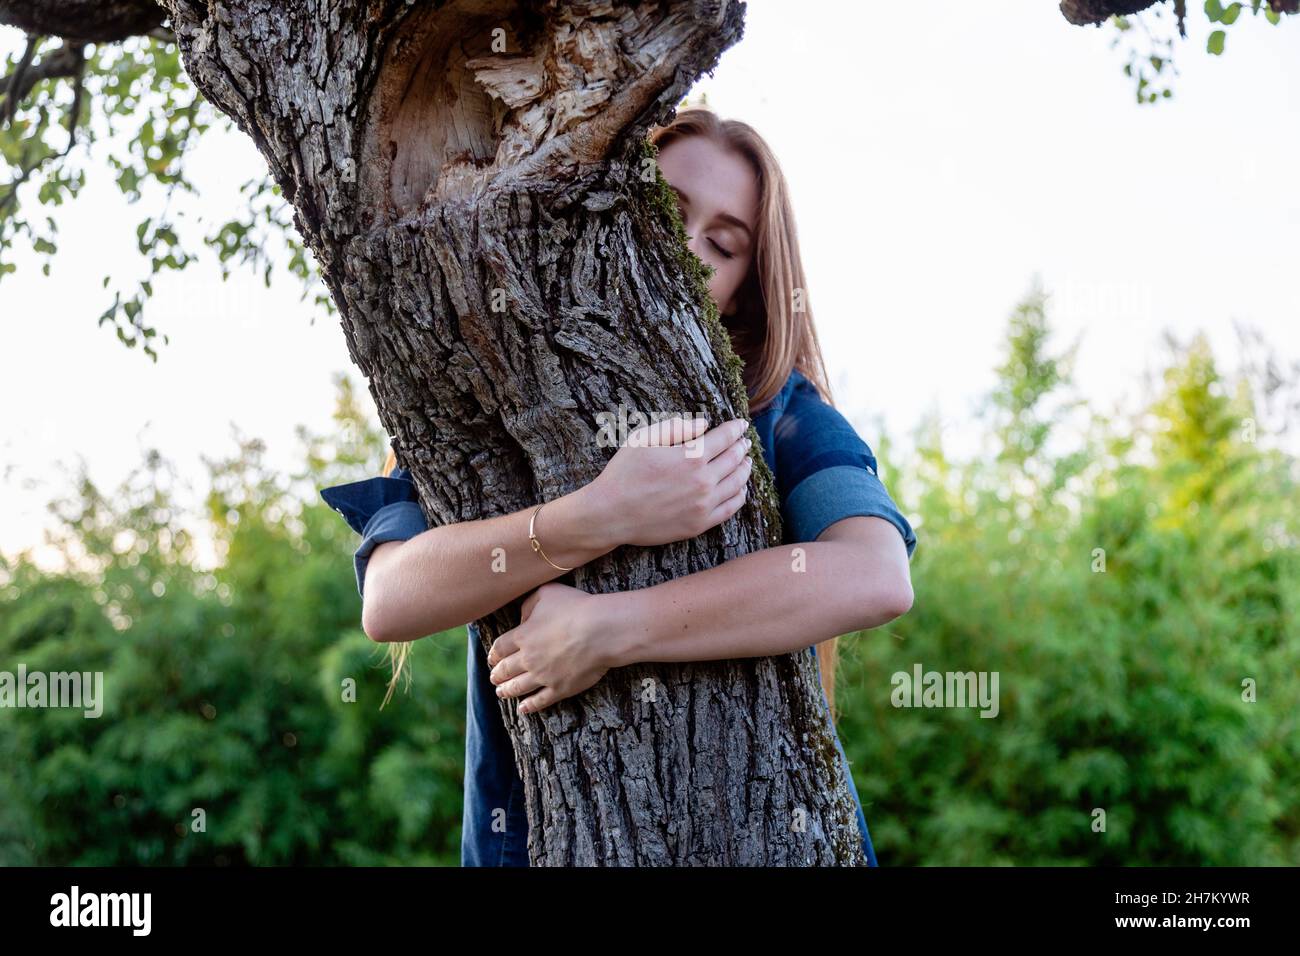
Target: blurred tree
point(1128, 612)
point(60, 95)
point(244, 698)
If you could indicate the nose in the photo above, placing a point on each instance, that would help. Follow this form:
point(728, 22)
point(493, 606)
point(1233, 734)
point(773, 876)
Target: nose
point(692, 241)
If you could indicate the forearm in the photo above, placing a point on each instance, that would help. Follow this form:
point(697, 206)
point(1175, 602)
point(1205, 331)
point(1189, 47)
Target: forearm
point(457, 573)
point(756, 605)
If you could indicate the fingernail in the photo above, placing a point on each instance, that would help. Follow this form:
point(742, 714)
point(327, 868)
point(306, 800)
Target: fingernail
point(499, 690)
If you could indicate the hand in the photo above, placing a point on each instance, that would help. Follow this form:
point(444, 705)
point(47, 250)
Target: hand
point(669, 483)
point(557, 650)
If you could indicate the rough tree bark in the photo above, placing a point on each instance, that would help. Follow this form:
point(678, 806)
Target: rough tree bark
point(473, 179)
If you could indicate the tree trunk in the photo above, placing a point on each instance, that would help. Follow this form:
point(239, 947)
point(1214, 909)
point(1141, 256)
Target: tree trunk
point(473, 178)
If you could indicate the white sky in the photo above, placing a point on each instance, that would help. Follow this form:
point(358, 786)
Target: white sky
point(937, 162)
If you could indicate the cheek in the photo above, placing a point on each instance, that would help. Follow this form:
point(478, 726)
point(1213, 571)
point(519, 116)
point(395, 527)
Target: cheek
point(726, 279)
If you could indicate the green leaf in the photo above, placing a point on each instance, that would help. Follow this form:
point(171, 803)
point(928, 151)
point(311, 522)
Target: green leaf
point(1230, 15)
point(1215, 42)
point(1213, 10)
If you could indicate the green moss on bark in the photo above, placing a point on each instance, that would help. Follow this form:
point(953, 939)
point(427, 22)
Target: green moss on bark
point(662, 200)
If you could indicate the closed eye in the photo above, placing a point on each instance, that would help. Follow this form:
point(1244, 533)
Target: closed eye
point(724, 252)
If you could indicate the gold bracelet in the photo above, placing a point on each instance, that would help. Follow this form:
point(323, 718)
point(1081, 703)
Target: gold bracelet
point(537, 545)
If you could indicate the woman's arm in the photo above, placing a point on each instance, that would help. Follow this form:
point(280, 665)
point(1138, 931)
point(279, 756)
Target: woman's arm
point(668, 483)
point(455, 573)
point(855, 576)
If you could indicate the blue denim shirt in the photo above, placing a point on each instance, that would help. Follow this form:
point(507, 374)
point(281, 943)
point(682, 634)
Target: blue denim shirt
point(824, 472)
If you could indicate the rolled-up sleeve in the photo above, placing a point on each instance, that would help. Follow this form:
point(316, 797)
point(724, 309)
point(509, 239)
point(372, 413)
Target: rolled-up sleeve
point(396, 522)
point(379, 509)
point(826, 472)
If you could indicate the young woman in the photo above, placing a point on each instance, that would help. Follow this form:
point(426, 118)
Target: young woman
point(417, 580)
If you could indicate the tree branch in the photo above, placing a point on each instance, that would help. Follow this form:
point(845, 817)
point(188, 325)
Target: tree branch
point(67, 60)
point(91, 21)
point(1087, 12)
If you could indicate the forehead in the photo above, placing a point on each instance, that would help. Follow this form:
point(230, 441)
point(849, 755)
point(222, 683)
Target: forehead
point(714, 176)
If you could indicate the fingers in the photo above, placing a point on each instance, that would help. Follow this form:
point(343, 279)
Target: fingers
point(501, 648)
point(543, 698)
point(728, 508)
point(506, 668)
point(668, 431)
point(730, 459)
point(717, 440)
point(517, 686)
point(691, 434)
point(736, 482)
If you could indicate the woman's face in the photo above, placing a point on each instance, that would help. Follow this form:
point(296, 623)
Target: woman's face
point(717, 193)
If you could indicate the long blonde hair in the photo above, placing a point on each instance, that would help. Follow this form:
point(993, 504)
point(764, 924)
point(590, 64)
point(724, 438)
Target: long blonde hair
point(398, 651)
point(772, 330)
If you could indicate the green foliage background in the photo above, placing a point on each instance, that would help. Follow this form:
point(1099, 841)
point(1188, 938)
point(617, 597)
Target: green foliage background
point(1123, 592)
point(1123, 587)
